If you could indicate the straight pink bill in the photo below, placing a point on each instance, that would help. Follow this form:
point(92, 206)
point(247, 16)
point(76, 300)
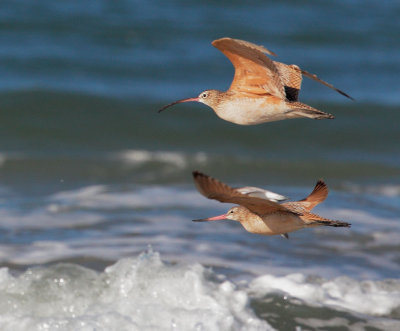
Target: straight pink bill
point(215, 218)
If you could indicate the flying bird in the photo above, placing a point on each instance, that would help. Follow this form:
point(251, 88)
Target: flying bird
point(262, 90)
point(263, 216)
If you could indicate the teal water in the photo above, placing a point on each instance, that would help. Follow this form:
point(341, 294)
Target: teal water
point(90, 173)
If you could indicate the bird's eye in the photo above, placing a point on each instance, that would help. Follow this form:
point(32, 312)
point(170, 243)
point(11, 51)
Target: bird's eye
point(204, 95)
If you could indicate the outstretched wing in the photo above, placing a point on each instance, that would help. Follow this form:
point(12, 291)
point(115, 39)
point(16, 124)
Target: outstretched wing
point(212, 188)
point(291, 76)
point(318, 195)
point(255, 73)
point(314, 76)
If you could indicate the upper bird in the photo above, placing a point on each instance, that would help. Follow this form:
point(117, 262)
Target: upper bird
point(262, 90)
point(263, 216)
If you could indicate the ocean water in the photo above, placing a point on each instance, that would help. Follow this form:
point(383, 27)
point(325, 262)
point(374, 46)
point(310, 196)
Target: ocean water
point(96, 194)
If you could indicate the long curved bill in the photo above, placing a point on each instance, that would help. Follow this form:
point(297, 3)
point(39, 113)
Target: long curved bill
point(215, 218)
point(179, 101)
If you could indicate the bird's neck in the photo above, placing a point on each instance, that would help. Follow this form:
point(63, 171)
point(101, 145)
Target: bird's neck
point(217, 99)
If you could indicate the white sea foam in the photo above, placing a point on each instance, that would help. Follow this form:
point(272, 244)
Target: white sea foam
point(100, 197)
point(144, 293)
point(134, 294)
point(176, 159)
point(387, 190)
point(45, 218)
point(378, 298)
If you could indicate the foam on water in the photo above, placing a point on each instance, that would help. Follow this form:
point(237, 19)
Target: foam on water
point(101, 197)
point(378, 298)
point(140, 293)
point(177, 159)
point(145, 293)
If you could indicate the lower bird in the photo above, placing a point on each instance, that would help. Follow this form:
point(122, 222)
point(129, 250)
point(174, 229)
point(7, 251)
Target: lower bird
point(262, 90)
point(261, 215)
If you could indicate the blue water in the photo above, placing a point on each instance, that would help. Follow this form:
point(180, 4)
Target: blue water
point(90, 173)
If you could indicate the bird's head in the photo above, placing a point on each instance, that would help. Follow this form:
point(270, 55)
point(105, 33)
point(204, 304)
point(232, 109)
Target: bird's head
point(237, 213)
point(210, 98)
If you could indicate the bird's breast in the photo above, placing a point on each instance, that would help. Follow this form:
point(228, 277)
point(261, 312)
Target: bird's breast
point(272, 224)
point(248, 110)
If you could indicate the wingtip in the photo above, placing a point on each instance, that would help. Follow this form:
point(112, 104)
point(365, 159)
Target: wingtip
point(216, 41)
point(345, 94)
point(321, 184)
point(243, 43)
point(220, 40)
point(197, 173)
point(315, 77)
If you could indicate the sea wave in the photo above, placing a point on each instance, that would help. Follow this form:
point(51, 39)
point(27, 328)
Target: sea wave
point(145, 293)
point(176, 159)
point(141, 293)
point(379, 298)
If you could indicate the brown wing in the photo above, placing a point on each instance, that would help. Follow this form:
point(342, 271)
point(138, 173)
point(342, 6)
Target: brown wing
point(314, 76)
point(318, 195)
point(255, 73)
point(212, 188)
point(292, 75)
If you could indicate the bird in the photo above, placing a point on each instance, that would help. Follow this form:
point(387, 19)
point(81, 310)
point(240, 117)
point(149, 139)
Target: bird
point(263, 216)
point(262, 90)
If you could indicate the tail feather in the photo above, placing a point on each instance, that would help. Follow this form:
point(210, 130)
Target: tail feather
point(316, 220)
point(334, 223)
point(299, 109)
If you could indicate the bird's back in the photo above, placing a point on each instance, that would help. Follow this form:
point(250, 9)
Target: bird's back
point(291, 79)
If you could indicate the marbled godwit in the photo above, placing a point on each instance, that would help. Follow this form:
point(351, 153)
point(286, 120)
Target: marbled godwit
point(263, 216)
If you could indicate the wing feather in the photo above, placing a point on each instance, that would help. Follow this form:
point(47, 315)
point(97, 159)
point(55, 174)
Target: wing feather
point(314, 76)
point(255, 73)
point(212, 188)
point(318, 195)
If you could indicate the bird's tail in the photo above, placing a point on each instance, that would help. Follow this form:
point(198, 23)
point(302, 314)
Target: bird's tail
point(338, 224)
point(316, 220)
point(299, 109)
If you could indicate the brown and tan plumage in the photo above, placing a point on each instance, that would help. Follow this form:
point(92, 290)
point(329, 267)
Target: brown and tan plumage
point(264, 216)
point(262, 90)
